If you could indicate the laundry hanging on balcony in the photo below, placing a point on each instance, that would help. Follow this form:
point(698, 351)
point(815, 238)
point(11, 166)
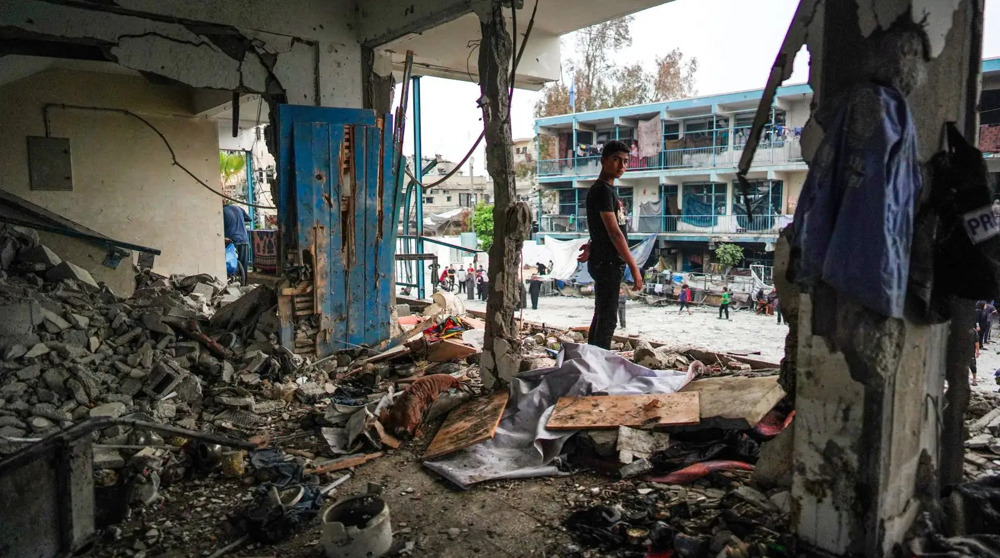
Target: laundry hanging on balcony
point(698, 212)
point(650, 137)
point(862, 190)
point(650, 216)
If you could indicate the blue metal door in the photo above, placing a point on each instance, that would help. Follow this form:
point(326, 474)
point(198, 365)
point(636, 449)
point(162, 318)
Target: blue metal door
point(336, 213)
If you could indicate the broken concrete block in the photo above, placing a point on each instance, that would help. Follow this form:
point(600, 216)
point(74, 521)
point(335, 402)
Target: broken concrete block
point(38, 258)
point(93, 344)
point(203, 291)
point(163, 379)
point(189, 389)
point(20, 318)
point(105, 458)
point(67, 270)
point(78, 321)
point(782, 501)
point(54, 323)
point(15, 351)
point(634, 443)
point(979, 441)
point(130, 386)
point(56, 378)
point(13, 390)
point(29, 372)
point(185, 348)
point(774, 467)
point(8, 250)
point(603, 441)
point(114, 410)
point(154, 323)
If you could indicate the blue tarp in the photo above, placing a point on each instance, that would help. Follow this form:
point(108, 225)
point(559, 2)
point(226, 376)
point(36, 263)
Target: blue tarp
point(640, 252)
point(697, 212)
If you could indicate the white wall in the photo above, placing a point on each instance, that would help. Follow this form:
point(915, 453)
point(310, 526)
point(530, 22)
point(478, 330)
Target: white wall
point(124, 183)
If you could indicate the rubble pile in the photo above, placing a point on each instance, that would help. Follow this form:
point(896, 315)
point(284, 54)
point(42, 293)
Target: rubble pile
point(73, 350)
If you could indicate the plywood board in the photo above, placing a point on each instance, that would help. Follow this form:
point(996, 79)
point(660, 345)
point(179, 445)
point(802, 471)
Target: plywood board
point(612, 411)
point(470, 423)
point(735, 401)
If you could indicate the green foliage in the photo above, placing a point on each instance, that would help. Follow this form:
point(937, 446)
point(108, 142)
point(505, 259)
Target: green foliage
point(482, 224)
point(231, 164)
point(729, 254)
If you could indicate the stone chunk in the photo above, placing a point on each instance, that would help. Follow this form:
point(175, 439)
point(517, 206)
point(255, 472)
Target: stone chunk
point(38, 350)
point(39, 258)
point(105, 458)
point(163, 379)
point(20, 318)
point(40, 424)
point(80, 322)
point(114, 410)
point(13, 390)
point(67, 270)
point(15, 351)
point(29, 372)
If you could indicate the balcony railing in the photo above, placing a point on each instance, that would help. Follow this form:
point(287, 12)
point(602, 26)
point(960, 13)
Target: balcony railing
point(778, 152)
point(677, 224)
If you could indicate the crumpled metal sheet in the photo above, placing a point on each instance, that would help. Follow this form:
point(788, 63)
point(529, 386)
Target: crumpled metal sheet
point(522, 446)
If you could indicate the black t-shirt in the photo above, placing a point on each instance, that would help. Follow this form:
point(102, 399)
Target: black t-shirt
point(601, 198)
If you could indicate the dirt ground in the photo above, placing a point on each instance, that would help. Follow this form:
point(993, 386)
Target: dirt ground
point(744, 333)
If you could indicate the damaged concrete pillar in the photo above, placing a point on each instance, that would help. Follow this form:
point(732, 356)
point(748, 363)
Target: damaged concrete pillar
point(511, 219)
point(869, 387)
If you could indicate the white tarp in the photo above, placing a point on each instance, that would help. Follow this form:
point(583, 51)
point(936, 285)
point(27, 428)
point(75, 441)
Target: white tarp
point(650, 137)
point(522, 446)
point(564, 254)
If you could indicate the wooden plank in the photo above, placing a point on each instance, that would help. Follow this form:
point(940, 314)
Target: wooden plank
point(344, 463)
point(474, 323)
point(735, 401)
point(472, 422)
point(612, 411)
point(446, 350)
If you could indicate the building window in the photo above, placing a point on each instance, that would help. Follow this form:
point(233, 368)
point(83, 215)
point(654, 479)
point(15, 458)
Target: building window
point(671, 131)
point(447, 199)
point(428, 199)
point(765, 204)
point(466, 200)
point(703, 203)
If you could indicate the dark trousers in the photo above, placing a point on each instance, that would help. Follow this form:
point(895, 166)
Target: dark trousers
point(470, 289)
point(243, 254)
point(723, 308)
point(461, 287)
point(684, 304)
point(986, 333)
point(607, 281)
point(778, 313)
point(533, 290)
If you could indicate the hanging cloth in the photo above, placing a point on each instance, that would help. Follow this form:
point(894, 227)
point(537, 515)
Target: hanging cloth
point(861, 191)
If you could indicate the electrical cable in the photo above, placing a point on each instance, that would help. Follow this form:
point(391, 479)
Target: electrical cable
point(173, 155)
point(510, 96)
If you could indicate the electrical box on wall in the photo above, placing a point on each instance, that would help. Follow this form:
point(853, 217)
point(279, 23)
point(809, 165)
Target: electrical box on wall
point(50, 165)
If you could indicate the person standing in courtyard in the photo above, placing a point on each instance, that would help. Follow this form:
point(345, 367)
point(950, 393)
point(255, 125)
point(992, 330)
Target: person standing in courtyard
point(684, 298)
point(534, 289)
point(470, 283)
point(607, 253)
point(233, 219)
point(724, 306)
point(460, 277)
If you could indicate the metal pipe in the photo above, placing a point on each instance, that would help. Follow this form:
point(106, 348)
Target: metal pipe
point(418, 168)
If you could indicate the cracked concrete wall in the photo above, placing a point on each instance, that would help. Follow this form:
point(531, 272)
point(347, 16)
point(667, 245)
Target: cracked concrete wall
point(321, 68)
point(869, 404)
point(124, 183)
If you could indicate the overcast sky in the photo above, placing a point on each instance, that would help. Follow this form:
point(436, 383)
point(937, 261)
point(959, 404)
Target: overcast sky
point(734, 41)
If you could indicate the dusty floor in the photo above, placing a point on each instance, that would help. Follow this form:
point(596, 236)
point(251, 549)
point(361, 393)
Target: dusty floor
point(746, 332)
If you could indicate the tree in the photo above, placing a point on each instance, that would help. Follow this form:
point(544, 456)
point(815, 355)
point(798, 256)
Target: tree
point(230, 165)
point(729, 255)
point(601, 83)
point(482, 224)
point(674, 76)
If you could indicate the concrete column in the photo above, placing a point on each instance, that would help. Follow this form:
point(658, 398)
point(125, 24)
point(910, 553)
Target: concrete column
point(868, 388)
point(511, 219)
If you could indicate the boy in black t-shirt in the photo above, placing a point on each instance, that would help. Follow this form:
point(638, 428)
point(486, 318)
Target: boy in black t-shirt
point(607, 253)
